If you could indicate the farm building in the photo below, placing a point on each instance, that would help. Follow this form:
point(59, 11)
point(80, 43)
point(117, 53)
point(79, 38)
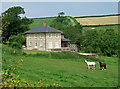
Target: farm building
point(46, 38)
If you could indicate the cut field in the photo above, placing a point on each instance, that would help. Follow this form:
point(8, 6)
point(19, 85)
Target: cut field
point(87, 22)
point(98, 20)
point(69, 72)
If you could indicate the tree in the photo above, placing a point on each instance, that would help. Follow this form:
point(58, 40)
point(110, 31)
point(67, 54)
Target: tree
point(68, 25)
point(15, 41)
point(90, 41)
point(60, 14)
point(17, 24)
point(109, 42)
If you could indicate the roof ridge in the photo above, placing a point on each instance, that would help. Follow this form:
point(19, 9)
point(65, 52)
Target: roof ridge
point(43, 29)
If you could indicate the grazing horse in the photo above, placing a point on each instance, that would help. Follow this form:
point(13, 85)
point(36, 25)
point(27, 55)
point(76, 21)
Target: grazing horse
point(102, 65)
point(91, 63)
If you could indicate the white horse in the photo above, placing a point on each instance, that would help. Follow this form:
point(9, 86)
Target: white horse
point(91, 63)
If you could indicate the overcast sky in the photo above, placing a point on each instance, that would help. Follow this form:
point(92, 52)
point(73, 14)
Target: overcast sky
point(50, 9)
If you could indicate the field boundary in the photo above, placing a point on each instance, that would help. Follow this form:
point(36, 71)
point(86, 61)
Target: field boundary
point(96, 16)
point(100, 25)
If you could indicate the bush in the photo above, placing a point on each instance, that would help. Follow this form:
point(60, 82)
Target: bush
point(16, 41)
point(101, 42)
point(9, 50)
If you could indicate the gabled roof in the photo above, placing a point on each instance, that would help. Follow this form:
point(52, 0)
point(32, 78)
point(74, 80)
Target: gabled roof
point(43, 29)
point(64, 39)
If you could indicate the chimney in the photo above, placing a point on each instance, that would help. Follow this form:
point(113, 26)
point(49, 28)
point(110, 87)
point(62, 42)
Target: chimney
point(62, 35)
point(44, 23)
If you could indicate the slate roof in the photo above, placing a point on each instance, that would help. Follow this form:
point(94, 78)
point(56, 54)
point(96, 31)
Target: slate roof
point(43, 29)
point(64, 39)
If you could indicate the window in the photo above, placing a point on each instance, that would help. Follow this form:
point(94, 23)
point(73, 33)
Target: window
point(41, 43)
point(30, 35)
point(50, 35)
point(56, 44)
point(50, 44)
point(30, 43)
point(35, 35)
point(41, 35)
point(35, 44)
point(57, 34)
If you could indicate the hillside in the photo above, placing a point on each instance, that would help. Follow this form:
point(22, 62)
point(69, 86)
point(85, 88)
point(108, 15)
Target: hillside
point(83, 20)
point(39, 21)
point(66, 68)
point(98, 20)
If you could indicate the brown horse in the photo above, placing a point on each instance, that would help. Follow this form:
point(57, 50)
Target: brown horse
point(102, 65)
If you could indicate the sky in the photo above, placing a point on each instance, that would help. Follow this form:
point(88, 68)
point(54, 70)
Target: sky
point(50, 9)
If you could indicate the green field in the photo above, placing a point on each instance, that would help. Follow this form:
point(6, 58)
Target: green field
point(69, 70)
point(114, 27)
point(39, 22)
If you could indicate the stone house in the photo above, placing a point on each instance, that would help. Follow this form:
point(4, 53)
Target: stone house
point(46, 38)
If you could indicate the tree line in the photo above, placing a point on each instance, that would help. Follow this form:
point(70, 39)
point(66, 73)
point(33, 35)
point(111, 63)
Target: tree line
point(104, 42)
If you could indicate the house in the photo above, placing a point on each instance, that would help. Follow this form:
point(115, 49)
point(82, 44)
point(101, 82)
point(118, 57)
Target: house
point(46, 38)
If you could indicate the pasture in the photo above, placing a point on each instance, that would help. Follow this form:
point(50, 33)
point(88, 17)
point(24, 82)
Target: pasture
point(39, 22)
point(69, 70)
point(114, 27)
point(87, 22)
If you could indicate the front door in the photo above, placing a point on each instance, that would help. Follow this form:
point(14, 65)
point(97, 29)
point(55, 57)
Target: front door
point(35, 44)
point(50, 44)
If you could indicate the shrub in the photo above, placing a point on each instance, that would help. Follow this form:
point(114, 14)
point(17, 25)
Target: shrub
point(16, 41)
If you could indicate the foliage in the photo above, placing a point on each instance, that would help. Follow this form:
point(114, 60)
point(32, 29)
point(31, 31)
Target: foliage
point(69, 26)
point(102, 41)
point(90, 40)
point(15, 23)
point(109, 42)
point(16, 41)
point(61, 14)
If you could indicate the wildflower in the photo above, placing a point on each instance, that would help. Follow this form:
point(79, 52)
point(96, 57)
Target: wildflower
point(21, 60)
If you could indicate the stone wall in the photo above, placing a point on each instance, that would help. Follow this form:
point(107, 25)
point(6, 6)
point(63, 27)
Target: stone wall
point(45, 39)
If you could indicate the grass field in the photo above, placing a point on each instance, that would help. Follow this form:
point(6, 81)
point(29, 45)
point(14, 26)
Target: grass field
point(115, 27)
point(39, 22)
point(100, 20)
point(85, 20)
point(70, 71)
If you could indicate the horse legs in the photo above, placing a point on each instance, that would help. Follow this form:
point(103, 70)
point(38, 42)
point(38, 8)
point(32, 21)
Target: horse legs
point(101, 68)
point(88, 67)
point(94, 67)
point(105, 67)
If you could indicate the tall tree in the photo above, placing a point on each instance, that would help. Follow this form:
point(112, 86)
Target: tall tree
point(16, 23)
point(68, 25)
point(109, 42)
point(61, 14)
